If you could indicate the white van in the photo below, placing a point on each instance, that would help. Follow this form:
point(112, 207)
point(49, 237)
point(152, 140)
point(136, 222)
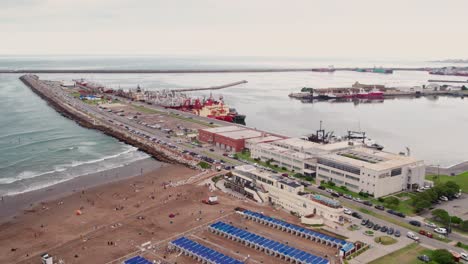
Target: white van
point(412, 236)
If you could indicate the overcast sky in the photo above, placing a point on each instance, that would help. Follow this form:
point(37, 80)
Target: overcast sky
point(428, 29)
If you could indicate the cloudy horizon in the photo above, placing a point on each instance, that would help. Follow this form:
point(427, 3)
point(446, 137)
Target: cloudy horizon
point(372, 29)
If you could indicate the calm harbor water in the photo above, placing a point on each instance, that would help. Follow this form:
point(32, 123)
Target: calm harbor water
point(38, 147)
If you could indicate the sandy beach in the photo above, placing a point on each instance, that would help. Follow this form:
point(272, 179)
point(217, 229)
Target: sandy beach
point(108, 222)
point(47, 218)
point(11, 205)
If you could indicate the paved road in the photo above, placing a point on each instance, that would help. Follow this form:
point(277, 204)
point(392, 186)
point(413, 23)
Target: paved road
point(452, 236)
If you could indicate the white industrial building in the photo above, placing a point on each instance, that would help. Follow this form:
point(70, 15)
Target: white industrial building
point(296, 154)
point(264, 186)
point(368, 170)
point(350, 164)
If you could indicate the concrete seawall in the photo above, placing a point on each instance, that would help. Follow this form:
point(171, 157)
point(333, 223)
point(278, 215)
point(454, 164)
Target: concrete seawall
point(86, 122)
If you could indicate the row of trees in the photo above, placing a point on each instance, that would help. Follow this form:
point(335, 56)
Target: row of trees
point(425, 199)
point(442, 256)
point(443, 217)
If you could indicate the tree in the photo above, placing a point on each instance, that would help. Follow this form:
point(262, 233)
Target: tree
point(441, 215)
point(464, 225)
point(442, 256)
point(331, 183)
point(455, 220)
point(420, 205)
point(452, 187)
point(392, 202)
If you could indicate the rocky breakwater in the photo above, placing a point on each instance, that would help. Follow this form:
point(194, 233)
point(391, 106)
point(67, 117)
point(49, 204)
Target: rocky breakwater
point(57, 99)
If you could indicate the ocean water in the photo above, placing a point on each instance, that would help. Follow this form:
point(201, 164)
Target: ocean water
point(39, 147)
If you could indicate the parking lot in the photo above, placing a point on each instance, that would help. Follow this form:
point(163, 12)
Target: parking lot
point(458, 207)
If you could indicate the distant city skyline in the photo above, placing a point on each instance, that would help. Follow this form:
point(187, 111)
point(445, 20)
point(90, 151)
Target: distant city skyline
point(429, 30)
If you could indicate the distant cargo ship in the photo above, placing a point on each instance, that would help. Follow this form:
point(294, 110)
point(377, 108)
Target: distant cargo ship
point(329, 69)
point(338, 93)
point(376, 70)
point(453, 71)
point(210, 108)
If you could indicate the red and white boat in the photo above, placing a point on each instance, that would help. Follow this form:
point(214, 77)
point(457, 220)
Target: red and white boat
point(372, 94)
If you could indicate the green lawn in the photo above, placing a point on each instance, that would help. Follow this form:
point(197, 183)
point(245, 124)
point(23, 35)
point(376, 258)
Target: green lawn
point(460, 179)
point(385, 240)
point(406, 255)
point(404, 206)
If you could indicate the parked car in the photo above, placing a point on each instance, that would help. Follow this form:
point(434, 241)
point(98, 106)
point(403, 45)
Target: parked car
point(415, 223)
point(441, 230)
point(364, 222)
point(424, 233)
point(397, 233)
point(402, 215)
point(347, 196)
point(412, 236)
point(355, 214)
point(429, 224)
point(335, 194)
point(321, 187)
point(367, 203)
point(464, 256)
point(380, 207)
point(424, 258)
point(443, 198)
point(390, 231)
point(359, 200)
point(370, 224)
point(377, 227)
point(348, 212)
point(211, 150)
point(390, 211)
point(384, 229)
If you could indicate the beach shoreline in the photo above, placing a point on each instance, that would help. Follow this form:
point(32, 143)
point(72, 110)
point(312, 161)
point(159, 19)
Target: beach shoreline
point(13, 205)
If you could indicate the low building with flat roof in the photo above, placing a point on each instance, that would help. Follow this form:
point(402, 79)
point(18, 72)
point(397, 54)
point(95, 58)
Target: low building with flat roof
point(283, 157)
point(230, 138)
point(378, 173)
point(297, 154)
point(264, 186)
point(250, 143)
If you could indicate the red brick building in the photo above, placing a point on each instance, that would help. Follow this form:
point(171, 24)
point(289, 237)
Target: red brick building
point(230, 138)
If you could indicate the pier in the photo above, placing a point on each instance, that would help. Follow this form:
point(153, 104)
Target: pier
point(448, 81)
point(210, 88)
point(88, 117)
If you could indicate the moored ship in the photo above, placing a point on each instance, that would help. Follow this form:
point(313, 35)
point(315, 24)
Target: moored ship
point(210, 107)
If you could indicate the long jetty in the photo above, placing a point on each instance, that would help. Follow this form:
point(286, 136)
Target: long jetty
point(154, 71)
point(44, 91)
point(210, 88)
point(449, 81)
